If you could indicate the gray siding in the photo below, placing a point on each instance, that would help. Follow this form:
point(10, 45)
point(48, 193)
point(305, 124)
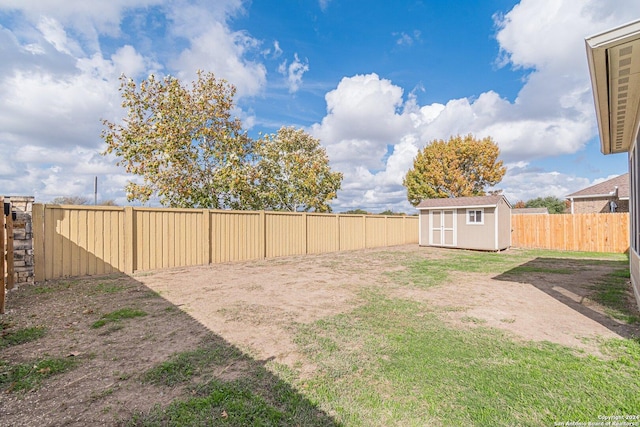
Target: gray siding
point(493, 234)
point(477, 236)
point(634, 268)
point(504, 226)
point(424, 228)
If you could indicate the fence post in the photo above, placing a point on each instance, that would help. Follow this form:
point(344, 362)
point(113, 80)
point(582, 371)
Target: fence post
point(38, 242)
point(206, 236)
point(338, 242)
point(364, 231)
point(306, 233)
point(10, 270)
point(2, 258)
point(129, 240)
point(263, 235)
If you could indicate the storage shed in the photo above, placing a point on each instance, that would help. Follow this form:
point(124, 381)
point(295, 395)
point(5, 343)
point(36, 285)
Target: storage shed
point(482, 223)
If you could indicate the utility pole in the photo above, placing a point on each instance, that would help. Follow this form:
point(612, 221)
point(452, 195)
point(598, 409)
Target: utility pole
point(95, 191)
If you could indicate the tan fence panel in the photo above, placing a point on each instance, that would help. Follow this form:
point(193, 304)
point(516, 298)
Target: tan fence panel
point(395, 230)
point(90, 240)
point(236, 236)
point(352, 232)
point(82, 241)
point(166, 238)
point(285, 234)
point(323, 233)
point(375, 231)
point(578, 232)
point(411, 229)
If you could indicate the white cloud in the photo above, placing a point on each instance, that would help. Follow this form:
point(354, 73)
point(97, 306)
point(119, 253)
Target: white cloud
point(404, 39)
point(552, 115)
point(275, 53)
point(56, 83)
point(54, 33)
point(363, 108)
point(523, 182)
point(294, 72)
point(222, 51)
point(324, 4)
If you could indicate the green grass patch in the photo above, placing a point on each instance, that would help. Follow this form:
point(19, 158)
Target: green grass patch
point(426, 272)
point(117, 316)
point(251, 396)
point(614, 293)
point(28, 376)
point(395, 362)
point(237, 403)
point(182, 367)
point(19, 336)
point(54, 286)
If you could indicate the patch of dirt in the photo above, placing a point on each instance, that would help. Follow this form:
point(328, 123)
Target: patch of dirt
point(255, 306)
point(536, 306)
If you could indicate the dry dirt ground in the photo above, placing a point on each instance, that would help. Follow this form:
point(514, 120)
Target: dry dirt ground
point(253, 307)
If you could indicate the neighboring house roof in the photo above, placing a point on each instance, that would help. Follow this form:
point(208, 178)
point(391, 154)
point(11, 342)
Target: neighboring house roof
point(540, 211)
point(462, 202)
point(618, 186)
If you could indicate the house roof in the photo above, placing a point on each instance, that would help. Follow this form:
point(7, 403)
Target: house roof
point(463, 202)
point(614, 66)
point(605, 189)
point(529, 211)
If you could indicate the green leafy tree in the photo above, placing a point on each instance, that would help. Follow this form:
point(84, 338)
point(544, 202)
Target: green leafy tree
point(553, 204)
point(182, 142)
point(389, 212)
point(292, 173)
point(356, 212)
point(459, 167)
point(70, 200)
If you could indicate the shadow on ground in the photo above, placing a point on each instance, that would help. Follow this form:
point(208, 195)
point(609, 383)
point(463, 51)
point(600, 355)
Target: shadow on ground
point(161, 367)
point(576, 283)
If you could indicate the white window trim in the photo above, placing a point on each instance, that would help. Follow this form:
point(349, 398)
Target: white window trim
point(475, 210)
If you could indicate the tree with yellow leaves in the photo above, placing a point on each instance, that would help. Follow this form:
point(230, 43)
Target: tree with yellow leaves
point(293, 172)
point(183, 142)
point(459, 167)
point(189, 152)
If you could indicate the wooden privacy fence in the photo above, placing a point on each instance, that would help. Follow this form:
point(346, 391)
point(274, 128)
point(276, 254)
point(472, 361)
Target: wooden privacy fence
point(608, 232)
point(88, 240)
point(6, 245)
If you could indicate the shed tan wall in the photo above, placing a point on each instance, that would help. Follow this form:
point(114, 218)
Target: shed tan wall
point(477, 236)
point(88, 240)
point(504, 225)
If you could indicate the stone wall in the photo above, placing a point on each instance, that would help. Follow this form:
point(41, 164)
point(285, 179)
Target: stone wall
point(22, 238)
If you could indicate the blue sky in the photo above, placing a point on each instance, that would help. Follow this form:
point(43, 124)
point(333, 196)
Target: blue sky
point(375, 81)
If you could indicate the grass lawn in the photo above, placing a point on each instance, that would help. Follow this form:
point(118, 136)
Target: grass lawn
point(387, 360)
point(394, 361)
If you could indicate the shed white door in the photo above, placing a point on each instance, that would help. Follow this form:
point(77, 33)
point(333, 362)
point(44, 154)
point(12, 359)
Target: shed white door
point(443, 228)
